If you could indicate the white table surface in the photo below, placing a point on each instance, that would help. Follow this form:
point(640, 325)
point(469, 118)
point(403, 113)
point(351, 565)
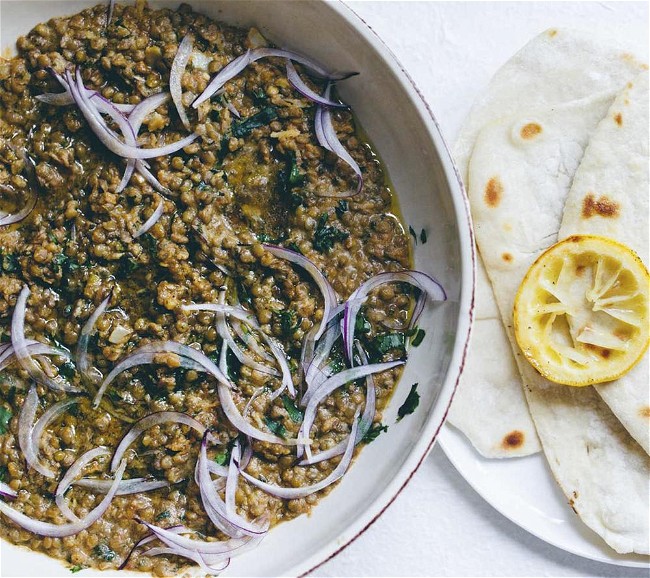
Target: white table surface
point(439, 526)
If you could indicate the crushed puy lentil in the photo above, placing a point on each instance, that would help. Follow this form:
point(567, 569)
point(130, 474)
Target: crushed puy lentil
point(237, 186)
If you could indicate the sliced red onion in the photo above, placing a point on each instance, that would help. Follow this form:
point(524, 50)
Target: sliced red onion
point(25, 429)
point(228, 72)
point(149, 421)
point(327, 138)
point(65, 98)
point(11, 218)
point(147, 355)
point(233, 109)
point(365, 422)
point(425, 283)
point(47, 418)
point(225, 519)
point(194, 556)
point(34, 348)
point(88, 330)
point(60, 531)
point(249, 340)
point(243, 315)
point(239, 422)
point(294, 78)
point(333, 383)
point(211, 550)
point(297, 493)
point(71, 475)
point(7, 491)
point(330, 299)
point(131, 486)
point(151, 221)
point(150, 538)
point(224, 332)
point(234, 67)
point(109, 16)
point(108, 137)
point(144, 108)
point(176, 76)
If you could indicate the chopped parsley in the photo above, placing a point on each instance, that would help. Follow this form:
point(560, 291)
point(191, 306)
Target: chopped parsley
point(103, 552)
point(5, 416)
point(150, 244)
point(361, 324)
point(222, 458)
point(77, 568)
point(341, 208)
point(262, 118)
point(410, 404)
point(413, 234)
point(325, 236)
point(164, 515)
point(67, 370)
point(387, 341)
point(418, 337)
point(287, 321)
point(294, 413)
point(373, 432)
point(9, 263)
point(276, 427)
point(423, 236)
point(3, 473)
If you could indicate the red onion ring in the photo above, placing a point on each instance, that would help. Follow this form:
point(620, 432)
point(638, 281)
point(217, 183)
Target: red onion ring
point(297, 493)
point(74, 472)
point(60, 531)
point(294, 78)
point(331, 384)
point(330, 299)
point(131, 486)
point(149, 421)
point(328, 139)
point(25, 429)
point(88, 330)
point(151, 221)
point(7, 491)
point(35, 348)
point(195, 557)
point(46, 419)
point(176, 76)
point(365, 422)
point(248, 318)
point(427, 284)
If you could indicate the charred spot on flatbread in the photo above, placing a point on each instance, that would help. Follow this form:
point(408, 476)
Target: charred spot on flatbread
point(530, 130)
point(552, 32)
point(645, 412)
point(514, 440)
point(507, 257)
point(602, 207)
point(618, 119)
point(493, 192)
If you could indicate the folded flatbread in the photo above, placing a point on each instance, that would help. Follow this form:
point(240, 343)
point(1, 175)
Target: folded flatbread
point(555, 67)
point(520, 173)
point(609, 197)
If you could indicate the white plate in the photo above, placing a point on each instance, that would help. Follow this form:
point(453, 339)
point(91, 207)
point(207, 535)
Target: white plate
point(524, 491)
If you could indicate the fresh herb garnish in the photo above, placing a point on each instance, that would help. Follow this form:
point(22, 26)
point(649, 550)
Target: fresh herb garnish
point(104, 552)
point(3, 473)
point(222, 458)
point(77, 568)
point(67, 370)
point(386, 341)
point(293, 247)
point(373, 432)
point(127, 265)
point(262, 118)
point(287, 321)
point(341, 208)
point(276, 427)
point(413, 234)
point(9, 263)
point(5, 416)
point(164, 515)
point(294, 413)
point(418, 337)
point(150, 244)
point(423, 236)
point(361, 324)
point(325, 236)
point(410, 404)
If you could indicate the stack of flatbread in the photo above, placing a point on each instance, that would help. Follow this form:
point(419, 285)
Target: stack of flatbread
point(558, 146)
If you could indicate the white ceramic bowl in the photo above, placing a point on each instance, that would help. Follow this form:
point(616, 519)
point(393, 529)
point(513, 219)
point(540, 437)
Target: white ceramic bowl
point(405, 133)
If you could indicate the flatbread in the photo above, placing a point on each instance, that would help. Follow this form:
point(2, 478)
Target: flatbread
point(555, 67)
point(520, 173)
point(609, 197)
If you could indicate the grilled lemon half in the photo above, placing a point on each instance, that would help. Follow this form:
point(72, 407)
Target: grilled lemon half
point(581, 312)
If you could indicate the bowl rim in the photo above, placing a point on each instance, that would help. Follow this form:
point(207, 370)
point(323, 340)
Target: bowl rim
point(466, 312)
